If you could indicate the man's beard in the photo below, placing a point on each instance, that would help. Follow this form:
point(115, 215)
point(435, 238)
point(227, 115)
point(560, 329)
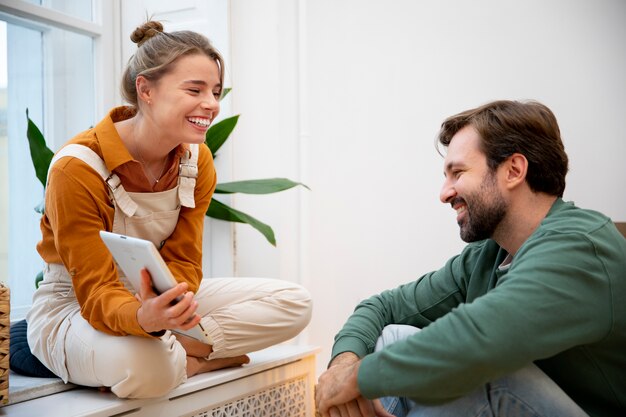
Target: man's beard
point(485, 210)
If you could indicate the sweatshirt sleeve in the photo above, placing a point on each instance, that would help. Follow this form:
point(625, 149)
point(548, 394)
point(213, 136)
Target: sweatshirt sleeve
point(418, 303)
point(550, 300)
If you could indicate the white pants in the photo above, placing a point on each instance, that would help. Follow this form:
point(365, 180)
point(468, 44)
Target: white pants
point(242, 315)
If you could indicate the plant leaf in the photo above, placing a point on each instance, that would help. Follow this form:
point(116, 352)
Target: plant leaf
point(39, 152)
point(219, 132)
point(38, 279)
point(262, 186)
point(221, 211)
point(225, 92)
point(41, 207)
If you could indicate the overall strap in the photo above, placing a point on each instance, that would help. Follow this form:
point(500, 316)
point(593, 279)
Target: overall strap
point(116, 191)
point(187, 174)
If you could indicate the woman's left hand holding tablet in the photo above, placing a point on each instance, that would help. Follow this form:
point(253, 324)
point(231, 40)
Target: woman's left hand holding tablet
point(160, 312)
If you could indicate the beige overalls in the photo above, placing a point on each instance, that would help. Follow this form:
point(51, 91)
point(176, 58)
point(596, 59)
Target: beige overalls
point(242, 315)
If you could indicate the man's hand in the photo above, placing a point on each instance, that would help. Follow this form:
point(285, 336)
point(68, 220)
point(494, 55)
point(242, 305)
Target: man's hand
point(361, 407)
point(158, 312)
point(337, 393)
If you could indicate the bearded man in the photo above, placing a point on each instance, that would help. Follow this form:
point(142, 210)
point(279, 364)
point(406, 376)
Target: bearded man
point(528, 320)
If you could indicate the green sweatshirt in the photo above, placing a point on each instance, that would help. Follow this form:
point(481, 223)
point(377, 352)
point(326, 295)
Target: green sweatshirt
point(561, 304)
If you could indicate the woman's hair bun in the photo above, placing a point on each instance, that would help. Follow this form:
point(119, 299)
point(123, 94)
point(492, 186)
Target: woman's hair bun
point(146, 31)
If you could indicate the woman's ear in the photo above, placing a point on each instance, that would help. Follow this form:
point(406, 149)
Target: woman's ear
point(144, 89)
point(516, 170)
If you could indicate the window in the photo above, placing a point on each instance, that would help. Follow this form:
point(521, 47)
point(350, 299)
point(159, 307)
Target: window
point(52, 62)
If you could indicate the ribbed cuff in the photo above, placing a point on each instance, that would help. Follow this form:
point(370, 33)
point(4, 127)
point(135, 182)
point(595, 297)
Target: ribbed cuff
point(369, 378)
point(216, 333)
point(349, 344)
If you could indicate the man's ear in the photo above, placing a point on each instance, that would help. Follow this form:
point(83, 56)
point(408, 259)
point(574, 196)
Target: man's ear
point(516, 167)
point(144, 89)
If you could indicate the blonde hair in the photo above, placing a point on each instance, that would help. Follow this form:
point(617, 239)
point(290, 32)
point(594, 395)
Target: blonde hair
point(158, 50)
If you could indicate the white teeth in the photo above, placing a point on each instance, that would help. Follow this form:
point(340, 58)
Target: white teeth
point(460, 210)
point(200, 121)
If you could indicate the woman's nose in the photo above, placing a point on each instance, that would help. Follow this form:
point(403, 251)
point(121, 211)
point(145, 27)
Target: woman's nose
point(211, 105)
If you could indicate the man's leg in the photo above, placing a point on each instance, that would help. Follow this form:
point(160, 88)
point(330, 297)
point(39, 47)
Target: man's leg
point(398, 406)
point(525, 393)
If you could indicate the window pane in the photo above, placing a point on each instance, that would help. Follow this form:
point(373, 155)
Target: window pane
point(50, 73)
point(71, 93)
point(24, 90)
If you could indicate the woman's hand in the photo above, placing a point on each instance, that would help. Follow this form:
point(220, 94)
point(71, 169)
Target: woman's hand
point(160, 312)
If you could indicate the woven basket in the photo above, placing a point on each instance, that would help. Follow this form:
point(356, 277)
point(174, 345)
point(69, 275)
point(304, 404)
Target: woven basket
point(5, 328)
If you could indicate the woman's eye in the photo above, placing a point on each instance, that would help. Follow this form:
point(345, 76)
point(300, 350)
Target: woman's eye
point(217, 94)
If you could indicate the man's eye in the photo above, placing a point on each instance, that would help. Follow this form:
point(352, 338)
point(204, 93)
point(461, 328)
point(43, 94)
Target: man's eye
point(193, 90)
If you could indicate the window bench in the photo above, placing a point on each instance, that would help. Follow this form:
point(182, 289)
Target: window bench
point(278, 381)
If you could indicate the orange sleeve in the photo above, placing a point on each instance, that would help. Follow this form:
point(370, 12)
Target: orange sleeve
point(77, 208)
point(183, 249)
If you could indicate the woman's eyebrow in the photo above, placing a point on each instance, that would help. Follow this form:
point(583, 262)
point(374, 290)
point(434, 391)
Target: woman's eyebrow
point(202, 83)
point(198, 82)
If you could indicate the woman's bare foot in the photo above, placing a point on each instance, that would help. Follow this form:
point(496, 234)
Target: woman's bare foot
point(200, 365)
point(194, 347)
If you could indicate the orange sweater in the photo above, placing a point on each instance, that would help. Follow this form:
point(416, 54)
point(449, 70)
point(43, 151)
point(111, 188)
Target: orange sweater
point(78, 207)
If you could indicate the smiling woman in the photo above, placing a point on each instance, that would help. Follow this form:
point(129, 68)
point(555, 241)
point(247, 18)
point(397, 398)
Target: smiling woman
point(145, 171)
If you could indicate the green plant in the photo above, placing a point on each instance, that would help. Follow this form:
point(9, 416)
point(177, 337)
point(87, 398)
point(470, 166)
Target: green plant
point(216, 136)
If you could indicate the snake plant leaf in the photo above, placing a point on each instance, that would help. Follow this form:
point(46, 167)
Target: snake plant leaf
point(221, 211)
point(262, 186)
point(219, 132)
point(39, 152)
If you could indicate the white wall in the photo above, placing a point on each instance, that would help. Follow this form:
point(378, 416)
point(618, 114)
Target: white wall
point(348, 95)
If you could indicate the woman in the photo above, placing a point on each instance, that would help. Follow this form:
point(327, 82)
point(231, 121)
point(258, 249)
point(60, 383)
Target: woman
point(145, 171)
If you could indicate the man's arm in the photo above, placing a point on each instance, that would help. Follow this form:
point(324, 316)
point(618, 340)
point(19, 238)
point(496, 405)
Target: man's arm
point(554, 297)
point(417, 303)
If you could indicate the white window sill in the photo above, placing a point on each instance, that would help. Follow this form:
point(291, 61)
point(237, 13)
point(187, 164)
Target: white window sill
point(280, 377)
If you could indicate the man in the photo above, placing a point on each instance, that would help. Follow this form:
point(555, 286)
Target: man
point(530, 318)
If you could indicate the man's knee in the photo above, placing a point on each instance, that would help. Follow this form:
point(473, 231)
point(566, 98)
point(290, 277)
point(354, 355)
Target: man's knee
point(393, 333)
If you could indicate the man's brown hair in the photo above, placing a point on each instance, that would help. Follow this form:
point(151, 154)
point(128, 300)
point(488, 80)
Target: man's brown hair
point(508, 127)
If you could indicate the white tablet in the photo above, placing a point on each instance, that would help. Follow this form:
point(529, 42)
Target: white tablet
point(132, 255)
